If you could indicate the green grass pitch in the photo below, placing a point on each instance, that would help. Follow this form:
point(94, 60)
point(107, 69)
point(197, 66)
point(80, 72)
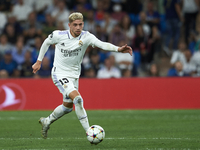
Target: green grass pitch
point(125, 129)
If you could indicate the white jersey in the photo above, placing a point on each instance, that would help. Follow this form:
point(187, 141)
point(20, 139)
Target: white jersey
point(69, 51)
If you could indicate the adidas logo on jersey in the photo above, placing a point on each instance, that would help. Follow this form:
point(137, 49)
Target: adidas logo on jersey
point(63, 44)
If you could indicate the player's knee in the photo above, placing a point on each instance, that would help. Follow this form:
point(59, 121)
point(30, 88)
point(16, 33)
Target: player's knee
point(78, 100)
point(67, 109)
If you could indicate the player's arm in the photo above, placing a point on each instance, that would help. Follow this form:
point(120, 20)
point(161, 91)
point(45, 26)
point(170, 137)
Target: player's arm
point(51, 39)
point(37, 65)
point(110, 47)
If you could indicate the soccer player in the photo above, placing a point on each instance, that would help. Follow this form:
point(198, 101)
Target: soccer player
point(70, 46)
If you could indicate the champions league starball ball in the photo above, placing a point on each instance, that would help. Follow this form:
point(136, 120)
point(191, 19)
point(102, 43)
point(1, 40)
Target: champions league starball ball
point(95, 134)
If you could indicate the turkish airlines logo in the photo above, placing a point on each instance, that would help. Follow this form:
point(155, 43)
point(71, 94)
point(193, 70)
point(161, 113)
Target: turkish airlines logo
point(12, 97)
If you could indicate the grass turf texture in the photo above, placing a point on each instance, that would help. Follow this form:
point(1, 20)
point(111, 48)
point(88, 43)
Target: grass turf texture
point(129, 129)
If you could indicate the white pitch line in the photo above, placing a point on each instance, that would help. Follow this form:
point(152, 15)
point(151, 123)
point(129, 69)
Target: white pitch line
point(161, 138)
point(122, 138)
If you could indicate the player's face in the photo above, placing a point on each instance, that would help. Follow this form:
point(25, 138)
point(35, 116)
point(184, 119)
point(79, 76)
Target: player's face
point(76, 27)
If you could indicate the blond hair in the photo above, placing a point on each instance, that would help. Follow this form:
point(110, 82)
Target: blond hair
point(75, 16)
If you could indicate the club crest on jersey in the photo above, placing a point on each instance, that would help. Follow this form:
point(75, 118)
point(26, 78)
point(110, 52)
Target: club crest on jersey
point(80, 43)
point(65, 86)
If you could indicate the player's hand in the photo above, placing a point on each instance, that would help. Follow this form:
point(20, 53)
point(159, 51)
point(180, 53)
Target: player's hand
point(125, 49)
point(36, 66)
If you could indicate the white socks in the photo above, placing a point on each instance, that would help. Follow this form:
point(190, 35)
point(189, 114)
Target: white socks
point(62, 110)
point(80, 112)
point(58, 112)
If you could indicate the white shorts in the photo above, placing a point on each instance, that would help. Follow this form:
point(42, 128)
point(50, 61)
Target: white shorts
point(65, 84)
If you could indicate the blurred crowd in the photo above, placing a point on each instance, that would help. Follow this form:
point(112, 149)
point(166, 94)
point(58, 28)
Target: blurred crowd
point(153, 28)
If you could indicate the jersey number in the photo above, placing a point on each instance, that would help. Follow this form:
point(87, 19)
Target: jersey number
point(63, 81)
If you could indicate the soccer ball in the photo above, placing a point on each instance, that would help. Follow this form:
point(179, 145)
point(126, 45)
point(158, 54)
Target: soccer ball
point(95, 134)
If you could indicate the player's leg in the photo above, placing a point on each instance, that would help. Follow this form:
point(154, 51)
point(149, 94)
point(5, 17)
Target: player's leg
point(64, 86)
point(79, 109)
point(56, 114)
point(61, 110)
